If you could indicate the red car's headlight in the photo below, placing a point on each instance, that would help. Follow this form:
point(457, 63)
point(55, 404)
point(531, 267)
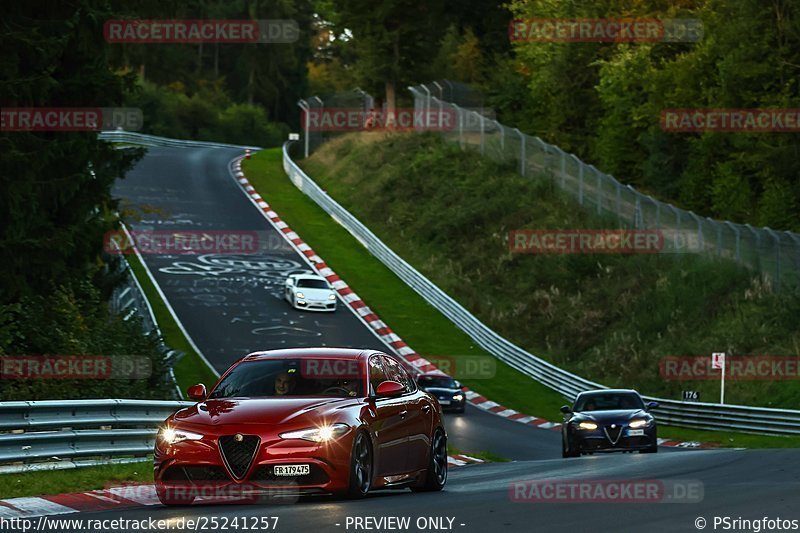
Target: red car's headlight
point(318, 434)
point(174, 436)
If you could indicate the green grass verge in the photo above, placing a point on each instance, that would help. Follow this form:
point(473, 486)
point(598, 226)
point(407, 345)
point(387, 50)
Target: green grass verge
point(486, 455)
point(419, 324)
point(191, 368)
point(75, 480)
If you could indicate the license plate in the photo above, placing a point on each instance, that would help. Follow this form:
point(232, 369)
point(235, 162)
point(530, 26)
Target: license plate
point(444, 402)
point(635, 432)
point(291, 470)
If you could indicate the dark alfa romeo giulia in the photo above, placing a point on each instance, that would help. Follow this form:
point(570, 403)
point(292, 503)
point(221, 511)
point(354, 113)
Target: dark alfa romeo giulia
point(608, 420)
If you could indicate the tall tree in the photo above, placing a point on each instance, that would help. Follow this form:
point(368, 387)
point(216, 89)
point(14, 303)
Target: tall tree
point(393, 40)
point(55, 186)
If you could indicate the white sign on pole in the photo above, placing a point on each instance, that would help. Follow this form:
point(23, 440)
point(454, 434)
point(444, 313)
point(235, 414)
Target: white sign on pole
point(718, 363)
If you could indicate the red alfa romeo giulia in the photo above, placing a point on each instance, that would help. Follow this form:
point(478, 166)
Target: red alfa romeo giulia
point(303, 421)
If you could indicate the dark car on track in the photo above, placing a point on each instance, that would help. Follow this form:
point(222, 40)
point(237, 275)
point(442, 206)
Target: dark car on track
point(303, 421)
point(608, 420)
point(445, 389)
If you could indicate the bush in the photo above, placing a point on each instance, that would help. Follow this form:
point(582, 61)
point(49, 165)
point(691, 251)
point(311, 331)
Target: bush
point(75, 321)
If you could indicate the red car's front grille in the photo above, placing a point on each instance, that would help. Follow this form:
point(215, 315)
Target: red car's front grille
point(196, 473)
point(238, 452)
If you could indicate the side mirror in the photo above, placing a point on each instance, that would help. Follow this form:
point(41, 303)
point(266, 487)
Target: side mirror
point(652, 405)
point(197, 392)
point(389, 389)
point(289, 281)
point(566, 409)
point(459, 385)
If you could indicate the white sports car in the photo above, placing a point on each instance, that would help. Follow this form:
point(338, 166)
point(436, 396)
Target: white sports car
point(311, 292)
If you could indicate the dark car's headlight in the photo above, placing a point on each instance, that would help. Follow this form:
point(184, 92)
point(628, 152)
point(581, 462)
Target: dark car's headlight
point(458, 397)
point(318, 434)
point(640, 423)
point(589, 426)
point(174, 435)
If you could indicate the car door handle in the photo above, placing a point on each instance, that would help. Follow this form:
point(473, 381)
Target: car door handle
point(426, 409)
point(403, 414)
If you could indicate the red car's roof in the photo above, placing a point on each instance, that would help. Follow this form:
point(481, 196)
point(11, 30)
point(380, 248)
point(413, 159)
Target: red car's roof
point(301, 353)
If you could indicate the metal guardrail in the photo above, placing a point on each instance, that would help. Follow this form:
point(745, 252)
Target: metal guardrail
point(128, 299)
point(688, 414)
point(59, 431)
point(141, 139)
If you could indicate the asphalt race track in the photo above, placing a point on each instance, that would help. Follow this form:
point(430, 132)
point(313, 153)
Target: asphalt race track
point(231, 305)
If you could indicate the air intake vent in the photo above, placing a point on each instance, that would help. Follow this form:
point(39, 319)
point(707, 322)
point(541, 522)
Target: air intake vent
point(238, 452)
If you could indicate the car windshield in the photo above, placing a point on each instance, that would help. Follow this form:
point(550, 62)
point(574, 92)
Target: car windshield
point(312, 283)
point(292, 378)
point(442, 382)
point(608, 401)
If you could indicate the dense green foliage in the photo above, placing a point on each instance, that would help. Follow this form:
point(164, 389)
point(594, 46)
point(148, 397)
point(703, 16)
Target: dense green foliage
point(208, 114)
point(603, 102)
point(56, 205)
point(610, 318)
point(269, 75)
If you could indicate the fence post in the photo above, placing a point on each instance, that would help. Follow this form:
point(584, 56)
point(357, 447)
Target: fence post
point(502, 137)
point(427, 105)
point(521, 151)
point(482, 137)
point(441, 98)
point(637, 215)
point(737, 253)
point(777, 241)
point(305, 107)
point(460, 111)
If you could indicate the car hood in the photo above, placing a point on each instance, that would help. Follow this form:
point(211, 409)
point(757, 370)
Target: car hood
point(262, 410)
point(610, 417)
point(314, 294)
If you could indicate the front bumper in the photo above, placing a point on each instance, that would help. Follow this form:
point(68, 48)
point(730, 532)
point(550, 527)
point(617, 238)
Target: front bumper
point(599, 441)
point(197, 468)
point(449, 404)
point(316, 305)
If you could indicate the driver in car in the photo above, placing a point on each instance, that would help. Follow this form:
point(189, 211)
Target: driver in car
point(346, 387)
point(285, 383)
